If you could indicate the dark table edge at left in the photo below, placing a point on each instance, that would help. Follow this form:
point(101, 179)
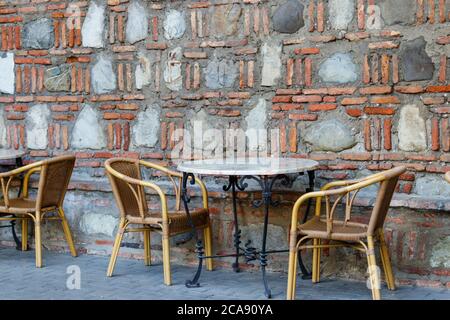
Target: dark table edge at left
point(18, 164)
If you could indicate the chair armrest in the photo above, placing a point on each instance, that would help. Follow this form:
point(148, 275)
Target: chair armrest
point(26, 180)
point(17, 171)
point(7, 177)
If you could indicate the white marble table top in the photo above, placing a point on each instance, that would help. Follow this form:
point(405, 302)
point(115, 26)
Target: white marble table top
point(11, 154)
point(248, 166)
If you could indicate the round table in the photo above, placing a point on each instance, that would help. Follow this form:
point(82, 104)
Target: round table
point(17, 156)
point(265, 171)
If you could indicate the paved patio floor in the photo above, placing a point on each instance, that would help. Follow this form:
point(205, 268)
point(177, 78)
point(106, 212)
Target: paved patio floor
point(19, 279)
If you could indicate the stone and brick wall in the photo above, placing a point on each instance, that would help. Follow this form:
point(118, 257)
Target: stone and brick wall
point(359, 85)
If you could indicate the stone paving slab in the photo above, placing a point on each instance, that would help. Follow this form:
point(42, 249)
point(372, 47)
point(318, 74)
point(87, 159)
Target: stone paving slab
point(133, 281)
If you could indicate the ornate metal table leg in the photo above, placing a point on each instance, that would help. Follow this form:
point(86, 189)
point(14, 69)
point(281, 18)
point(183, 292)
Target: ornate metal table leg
point(266, 186)
point(267, 197)
point(233, 184)
point(305, 273)
point(19, 163)
point(199, 244)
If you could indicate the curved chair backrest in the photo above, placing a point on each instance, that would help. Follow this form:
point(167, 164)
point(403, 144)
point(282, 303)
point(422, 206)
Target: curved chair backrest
point(130, 197)
point(349, 189)
point(54, 179)
point(384, 197)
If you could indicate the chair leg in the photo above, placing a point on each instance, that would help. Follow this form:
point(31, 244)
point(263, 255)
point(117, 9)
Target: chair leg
point(67, 232)
point(208, 247)
point(166, 259)
point(24, 234)
point(373, 269)
point(316, 262)
point(116, 247)
point(37, 240)
point(147, 248)
point(292, 275)
point(384, 250)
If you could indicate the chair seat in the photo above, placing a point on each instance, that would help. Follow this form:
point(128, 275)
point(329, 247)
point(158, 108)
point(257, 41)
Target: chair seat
point(178, 220)
point(317, 228)
point(18, 205)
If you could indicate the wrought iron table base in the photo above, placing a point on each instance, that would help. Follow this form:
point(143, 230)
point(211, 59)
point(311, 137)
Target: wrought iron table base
point(250, 253)
point(19, 163)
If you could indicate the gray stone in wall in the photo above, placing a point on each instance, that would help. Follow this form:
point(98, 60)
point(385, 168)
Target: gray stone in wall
point(440, 254)
point(174, 25)
point(339, 68)
point(220, 74)
point(330, 135)
point(146, 128)
point(88, 132)
point(57, 78)
point(411, 130)
point(93, 29)
point(271, 70)
point(97, 223)
point(415, 63)
point(38, 34)
point(225, 19)
point(3, 128)
point(341, 13)
point(201, 131)
point(398, 11)
point(432, 186)
point(137, 22)
point(172, 71)
point(256, 121)
point(103, 76)
point(36, 125)
point(143, 74)
point(7, 77)
point(276, 235)
point(288, 18)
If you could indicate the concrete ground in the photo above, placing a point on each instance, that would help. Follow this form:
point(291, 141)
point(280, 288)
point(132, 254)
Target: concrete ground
point(132, 280)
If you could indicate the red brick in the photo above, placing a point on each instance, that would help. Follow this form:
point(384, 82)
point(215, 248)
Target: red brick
point(361, 15)
point(316, 91)
point(313, 98)
point(322, 107)
point(387, 126)
point(435, 134)
point(306, 51)
point(385, 100)
point(353, 112)
point(366, 156)
point(229, 113)
point(303, 117)
point(433, 100)
point(376, 90)
point(438, 88)
point(282, 99)
point(288, 91)
point(409, 89)
point(341, 91)
point(379, 110)
point(293, 138)
point(383, 45)
point(353, 101)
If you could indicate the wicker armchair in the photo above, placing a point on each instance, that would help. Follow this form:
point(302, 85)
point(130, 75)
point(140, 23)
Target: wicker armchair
point(128, 188)
point(54, 176)
point(345, 232)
